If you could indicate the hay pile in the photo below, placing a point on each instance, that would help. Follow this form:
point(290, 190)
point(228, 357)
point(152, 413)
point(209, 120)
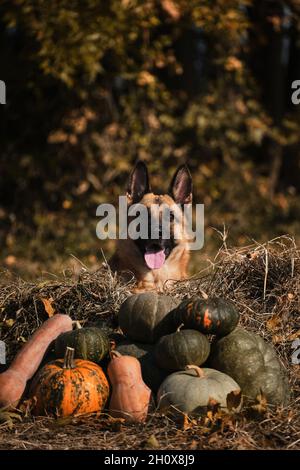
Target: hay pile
point(90, 298)
point(263, 281)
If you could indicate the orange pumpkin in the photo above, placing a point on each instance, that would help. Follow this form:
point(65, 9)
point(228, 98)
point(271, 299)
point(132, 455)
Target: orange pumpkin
point(130, 395)
point(68, 387)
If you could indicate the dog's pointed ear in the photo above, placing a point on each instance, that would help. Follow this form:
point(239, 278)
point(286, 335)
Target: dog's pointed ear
point(181, 186)
point(138, 183)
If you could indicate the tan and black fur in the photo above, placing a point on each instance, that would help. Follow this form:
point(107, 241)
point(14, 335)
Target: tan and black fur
point(128, 257)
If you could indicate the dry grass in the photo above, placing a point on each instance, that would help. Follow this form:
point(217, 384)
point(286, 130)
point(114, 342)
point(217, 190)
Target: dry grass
point(87, 297)
point(263, 281)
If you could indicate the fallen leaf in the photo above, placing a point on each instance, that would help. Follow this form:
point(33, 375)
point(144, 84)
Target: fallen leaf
point(277, 339)
point(233, 399)
point(193, 445)
point(227, 423)
point(274, 323)
point(152, 442)
point(213, 406)
point(187, 422)
point(261, 405)
point(48, 306)
point(7, 418)
point(294, 336)
point(62, 421)
point(116, 424)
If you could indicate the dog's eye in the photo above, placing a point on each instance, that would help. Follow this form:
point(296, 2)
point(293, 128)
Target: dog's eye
point(172, 217)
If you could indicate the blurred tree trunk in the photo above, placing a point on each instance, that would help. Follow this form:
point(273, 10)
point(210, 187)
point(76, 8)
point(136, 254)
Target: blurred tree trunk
point(276, 154)
point(272, 24)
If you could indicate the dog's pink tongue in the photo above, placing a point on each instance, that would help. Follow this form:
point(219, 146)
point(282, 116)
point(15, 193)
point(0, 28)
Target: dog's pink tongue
point(155, 260)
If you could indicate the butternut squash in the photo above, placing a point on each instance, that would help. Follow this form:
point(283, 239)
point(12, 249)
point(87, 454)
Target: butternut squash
point(130, 395)
point(13, 381)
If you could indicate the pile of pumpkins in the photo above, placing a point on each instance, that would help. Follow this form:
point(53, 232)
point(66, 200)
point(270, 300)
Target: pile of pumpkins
point(181, 355)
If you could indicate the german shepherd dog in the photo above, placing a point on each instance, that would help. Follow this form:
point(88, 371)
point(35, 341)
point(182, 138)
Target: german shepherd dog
point(155, 261)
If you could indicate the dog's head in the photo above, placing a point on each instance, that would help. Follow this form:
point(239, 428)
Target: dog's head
point(155, 250)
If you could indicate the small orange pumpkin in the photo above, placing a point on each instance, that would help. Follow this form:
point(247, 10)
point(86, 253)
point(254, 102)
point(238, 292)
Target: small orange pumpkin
point(69, 387)
point(130, 395)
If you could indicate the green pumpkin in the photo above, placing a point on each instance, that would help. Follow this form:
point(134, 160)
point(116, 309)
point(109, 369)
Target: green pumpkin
point(152, 374)
point(191, 391)
point(90, 343)
point(253, 363)
point(145, 317)
point(212, 316)
point(177, 350)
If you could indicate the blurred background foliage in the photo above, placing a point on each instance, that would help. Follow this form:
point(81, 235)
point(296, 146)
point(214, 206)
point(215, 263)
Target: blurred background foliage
point(93, 85)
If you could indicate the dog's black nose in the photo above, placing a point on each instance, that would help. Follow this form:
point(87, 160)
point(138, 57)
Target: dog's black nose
point(154, 247)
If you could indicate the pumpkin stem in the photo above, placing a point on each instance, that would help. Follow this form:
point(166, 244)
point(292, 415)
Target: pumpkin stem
point(199, 371)
point(69, 358)
point(114, 354)
point(180, 326)
point(112, 349)
point(76, 325)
